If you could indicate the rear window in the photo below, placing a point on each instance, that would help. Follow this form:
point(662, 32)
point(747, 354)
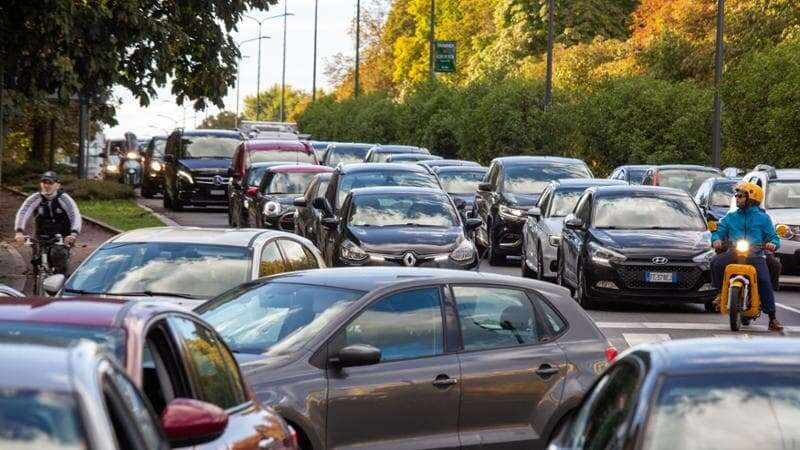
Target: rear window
point(110, 338)
point(296, 156)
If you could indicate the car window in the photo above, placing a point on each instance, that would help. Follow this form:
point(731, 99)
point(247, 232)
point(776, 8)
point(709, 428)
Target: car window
point(138, 407)
point(648, 179)
point(551, 318)
point(30, 418)
point(722, 194)
point(202, 353)
point(533, 179)
point(584, 208)
point(124, 425)
point(544, 200)
point(271, 261)
point(311, 191)
point(702, 195)
point(297, 257)
point(495, 317)
point(402, 326)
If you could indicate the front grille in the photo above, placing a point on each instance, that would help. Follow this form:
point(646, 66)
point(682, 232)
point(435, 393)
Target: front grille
point(209, 180)
point(634, 276)
point(286, 222)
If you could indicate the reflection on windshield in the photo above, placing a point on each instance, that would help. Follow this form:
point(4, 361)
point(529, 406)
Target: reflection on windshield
point(693, 413)
point(290, 183)
point(275, 317)
point(402, 209)
point(380, 179)
point(196, 270)
point(461, 182)
point(722, 195)
point(40, 420)
point(683, 179)
point(111, 339)
point(281, 156)
point(646, 212)
point(347, 155)
point(564, 202)
point(636, 176)
point(783, 195)
point(209, 147)
point(534, 179)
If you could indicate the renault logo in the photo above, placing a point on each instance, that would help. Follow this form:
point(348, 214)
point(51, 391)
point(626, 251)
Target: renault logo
point(660, 260)
point(409, 260)
point(218, 180)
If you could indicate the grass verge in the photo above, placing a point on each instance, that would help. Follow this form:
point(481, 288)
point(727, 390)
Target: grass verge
point(123, 214)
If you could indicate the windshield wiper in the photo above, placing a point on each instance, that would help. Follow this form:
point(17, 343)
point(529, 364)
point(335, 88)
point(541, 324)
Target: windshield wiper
point(82, 292)
point(421, 225)
point(150, 293)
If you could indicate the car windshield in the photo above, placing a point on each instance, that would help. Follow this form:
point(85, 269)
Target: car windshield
point(722, 194)
point(465, 182)
point(783, 195)
point(158, 148)
point(564, 202)
point(398, 209)
point(162, 268)
point(255, 175)
point(695, 412)
point(647, 212)
point(636, 176)
point(346, 155)
point(112, 339)
point(40, 420)
point(533, 179)
point(275, 317)
point(282, 155)
point(290, 183)
point(384, 178)
point(687, 180)
point(382, 157)
point(198, 147)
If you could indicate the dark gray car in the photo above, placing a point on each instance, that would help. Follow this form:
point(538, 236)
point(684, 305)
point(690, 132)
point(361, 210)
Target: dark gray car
point(402, 358)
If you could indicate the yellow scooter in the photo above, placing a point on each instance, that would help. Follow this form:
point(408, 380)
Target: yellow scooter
point(739, 298)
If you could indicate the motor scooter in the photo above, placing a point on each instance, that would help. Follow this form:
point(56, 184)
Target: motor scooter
point(132, 169)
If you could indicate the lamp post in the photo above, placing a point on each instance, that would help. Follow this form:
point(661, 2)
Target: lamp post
point(432, 36)
point(357, 86)
point(314, 78)
point(238, 73)
point(258, 81)
point(717, 146)
point(175, 122)
point(548, 84)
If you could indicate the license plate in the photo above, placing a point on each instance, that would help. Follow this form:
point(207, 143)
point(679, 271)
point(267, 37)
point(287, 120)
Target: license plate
point(660, 277)
point(217, 191)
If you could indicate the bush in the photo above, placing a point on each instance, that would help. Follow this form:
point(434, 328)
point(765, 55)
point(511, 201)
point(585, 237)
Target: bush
point(98, 190)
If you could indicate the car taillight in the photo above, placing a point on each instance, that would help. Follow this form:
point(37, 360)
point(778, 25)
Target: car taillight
point(291, 440)
point(251, 191)
point(611, 354)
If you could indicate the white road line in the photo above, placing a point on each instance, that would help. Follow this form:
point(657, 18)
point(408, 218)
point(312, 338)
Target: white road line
point(686, 326)
point(788, 308)
point(634, 339)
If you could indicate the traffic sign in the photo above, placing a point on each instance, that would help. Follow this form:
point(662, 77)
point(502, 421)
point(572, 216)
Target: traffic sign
point(444, 56)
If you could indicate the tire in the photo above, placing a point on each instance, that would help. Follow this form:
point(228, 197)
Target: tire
point(494, 258)
point(167, 201)
point(710, 308)
point(580, 292)
point(734, 310)
point(526, 271)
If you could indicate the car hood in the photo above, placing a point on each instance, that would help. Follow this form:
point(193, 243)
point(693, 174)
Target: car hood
point(395, 240)
point(785, 216)
point(521, 200)
point(677, 243)
point(221, 164)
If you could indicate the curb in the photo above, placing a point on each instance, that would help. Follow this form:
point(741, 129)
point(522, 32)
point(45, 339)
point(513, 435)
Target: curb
point(164, 219)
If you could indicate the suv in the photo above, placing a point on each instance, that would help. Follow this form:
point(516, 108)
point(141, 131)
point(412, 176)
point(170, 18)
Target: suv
point(153, 166)
point(379, 153)
point(195, 167)
point(514, 185)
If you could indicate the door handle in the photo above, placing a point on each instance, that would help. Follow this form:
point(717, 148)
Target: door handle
point(266, 443)
point(546, 370)
point(444, 381)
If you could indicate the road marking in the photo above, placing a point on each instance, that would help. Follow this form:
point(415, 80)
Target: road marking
point(634, 339)
point(788, 308)
point(684, 326)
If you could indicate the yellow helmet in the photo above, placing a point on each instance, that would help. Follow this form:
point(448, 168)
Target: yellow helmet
point(753, 191)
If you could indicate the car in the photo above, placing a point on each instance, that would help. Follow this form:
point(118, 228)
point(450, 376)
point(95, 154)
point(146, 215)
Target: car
point(681, 395)
point(73, 395)
point(782, 203)
point(153, 166)
point(636, 243)
point(244, 192)
point(345, 153)
point(179, 362)
point(273, 205)
point(512, 186)
point(715, 195)
point(433, 163)
point(196, 166)
point(184, 265)
point(410, 226)
point(686, 177)
point(631, 174)
point(461, 183)
point(8, 291)
point(541, 234)
point(307, 219)
point(412, 358)
point(379, 153)
point(275, 136)
point(319, 148)
point(410, 157)
point(248, 127)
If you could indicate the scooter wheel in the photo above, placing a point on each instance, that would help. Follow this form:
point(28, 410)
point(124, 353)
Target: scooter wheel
point(734, 311)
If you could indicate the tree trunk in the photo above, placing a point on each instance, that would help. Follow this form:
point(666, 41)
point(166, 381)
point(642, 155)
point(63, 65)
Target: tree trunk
point(52, 159)
point(39, 139)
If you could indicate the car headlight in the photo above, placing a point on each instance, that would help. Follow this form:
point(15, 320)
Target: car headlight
point(464, 252)
point(742, 246)
point(704, 257)
point(272, 209)
point(132, 155)
point(604, 256)
point(555, 240)
point(155, 165)
point(352, 252)
point(511, 213)
point(112, 169)
point(186, 176)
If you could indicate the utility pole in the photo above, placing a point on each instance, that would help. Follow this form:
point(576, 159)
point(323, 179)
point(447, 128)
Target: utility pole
point(358, 46)
point(548, 84)
point(314, 79)
point(432, 36)
point(717, 146)
point(258, 71)
point(82, 125)
point(2, 117)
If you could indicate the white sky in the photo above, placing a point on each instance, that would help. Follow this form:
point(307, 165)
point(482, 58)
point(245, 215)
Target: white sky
point(334, 20)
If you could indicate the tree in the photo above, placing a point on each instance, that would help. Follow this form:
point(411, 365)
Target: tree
point(271, 103)
point(225, 120)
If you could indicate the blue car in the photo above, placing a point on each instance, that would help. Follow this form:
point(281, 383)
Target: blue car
point(715, 195)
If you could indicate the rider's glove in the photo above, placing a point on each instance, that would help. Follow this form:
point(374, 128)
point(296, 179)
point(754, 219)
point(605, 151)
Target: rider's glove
point(70, 240)
point(19, 237)
point(770, 246)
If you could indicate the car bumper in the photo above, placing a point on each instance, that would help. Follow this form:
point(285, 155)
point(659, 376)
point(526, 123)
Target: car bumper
point(204, 196)
point(626, 283)
point(508, 236)
point(284, 222)
point(789, 254)
point(424, 262)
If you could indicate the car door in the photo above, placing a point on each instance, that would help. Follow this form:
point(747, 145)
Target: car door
point(483, 203)
point(512, 373)
point(537, 233)
point(572, 240)
point(410, 399)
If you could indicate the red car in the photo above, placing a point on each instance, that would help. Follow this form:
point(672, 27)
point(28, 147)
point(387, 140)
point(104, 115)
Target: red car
point(273, 205)
point(172, 355)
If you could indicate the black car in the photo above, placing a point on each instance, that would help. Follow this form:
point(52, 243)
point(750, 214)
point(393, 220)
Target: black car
point(692, 394)
point(196, 167)
point(404, 226)
point(461, 182)
point(307, 219)
point(153, 170)
point(512, 186)
point(344, 153)
point(241, 194)
point(715, 196)
point(379, 153)
point(273, 205)
point(631, 174)
point(629, 243)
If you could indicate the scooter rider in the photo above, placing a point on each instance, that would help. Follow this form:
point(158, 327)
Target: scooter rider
point(751, 223)
point(54, 212)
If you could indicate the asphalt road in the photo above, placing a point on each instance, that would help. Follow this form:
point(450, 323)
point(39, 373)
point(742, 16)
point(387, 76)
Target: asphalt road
point(625, 325)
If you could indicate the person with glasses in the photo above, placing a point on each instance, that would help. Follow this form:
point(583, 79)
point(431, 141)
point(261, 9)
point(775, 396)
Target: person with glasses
point(753, 224)
point(54, 213)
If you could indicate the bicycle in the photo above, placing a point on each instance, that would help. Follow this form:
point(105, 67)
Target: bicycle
point(41, 259)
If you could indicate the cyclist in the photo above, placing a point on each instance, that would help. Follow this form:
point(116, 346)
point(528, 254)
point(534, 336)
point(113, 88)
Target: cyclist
point(54, 212)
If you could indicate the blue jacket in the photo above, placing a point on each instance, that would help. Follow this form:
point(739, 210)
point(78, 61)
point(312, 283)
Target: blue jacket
point(752, 224)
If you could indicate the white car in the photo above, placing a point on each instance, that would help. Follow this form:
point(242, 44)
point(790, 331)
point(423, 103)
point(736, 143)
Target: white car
point(541, 234)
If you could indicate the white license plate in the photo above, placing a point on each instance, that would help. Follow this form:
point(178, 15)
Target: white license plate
point(217, 191)
point(660, 277)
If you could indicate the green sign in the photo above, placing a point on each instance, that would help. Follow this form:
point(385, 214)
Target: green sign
point(444, 56)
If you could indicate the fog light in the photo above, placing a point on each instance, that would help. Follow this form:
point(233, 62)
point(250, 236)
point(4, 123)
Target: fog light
point(707, 287)
point(606, 285)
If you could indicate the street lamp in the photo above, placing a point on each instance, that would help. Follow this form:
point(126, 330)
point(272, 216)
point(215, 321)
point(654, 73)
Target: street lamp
point(238, 73)
point(183, 107)
point(356, 88)
point(432, 36)
point(548, 84)
point(258, 73)
point(314, 78)
point(175, 122)
point(258, 82)
point(717, 146)
point(158, 128)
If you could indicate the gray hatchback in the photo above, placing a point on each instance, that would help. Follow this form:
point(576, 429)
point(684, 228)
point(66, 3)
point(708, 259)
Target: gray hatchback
point(410, 358)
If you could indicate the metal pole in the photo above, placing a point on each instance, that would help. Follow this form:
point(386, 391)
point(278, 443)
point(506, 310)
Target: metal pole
point(258, 77)
point(283, 74)
point(357, 86)
point(51, 161)
point(238, 73)
point(548, 84)
point(717, 146)
point(2, 122)
point(432, 36)
point(82, 119)
point(314, 78)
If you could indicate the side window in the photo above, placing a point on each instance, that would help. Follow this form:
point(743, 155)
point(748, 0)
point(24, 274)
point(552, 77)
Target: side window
point(648, 178)
point(616, 175)
point(544, 201)
point(702, 195)
point(296, 257)
point(403, 325)
point(493, 175)
point(311, 190)
point(271, 261)
point(207, 367)
point(123, 423)
point(138, 407)
point(583, 210)
point(551, 318)
point(495, 317)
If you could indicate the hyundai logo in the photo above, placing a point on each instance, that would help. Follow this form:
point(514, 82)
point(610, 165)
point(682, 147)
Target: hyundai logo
point(409, 260)
point(218, 180)
point(660, 260)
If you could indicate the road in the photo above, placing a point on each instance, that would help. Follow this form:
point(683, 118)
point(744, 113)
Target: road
point(625, 325)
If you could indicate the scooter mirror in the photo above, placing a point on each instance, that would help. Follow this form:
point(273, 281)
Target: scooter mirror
point(783, 231)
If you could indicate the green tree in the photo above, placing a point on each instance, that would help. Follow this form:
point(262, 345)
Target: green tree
point(271, 103)
point(225, 120)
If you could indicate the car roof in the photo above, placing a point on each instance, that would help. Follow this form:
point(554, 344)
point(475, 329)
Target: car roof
point(351, 145)
point(788, 174)
point(723, 180)
point(445, 169)
point(38, 364)
point(687, 167)
point(257, 145)
point(382, 167)
point(521, 160)
point(195, 235)
point(397, 149)
point(636, 189)
point(300, 169)
point(450, 163)
point(396, 190)
point(208, 132)
point(635, 166)
point(268, 164)
point(574, 183)
point(95, 312)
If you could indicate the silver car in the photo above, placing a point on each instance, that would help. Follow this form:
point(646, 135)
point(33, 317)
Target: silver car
point(541, 233)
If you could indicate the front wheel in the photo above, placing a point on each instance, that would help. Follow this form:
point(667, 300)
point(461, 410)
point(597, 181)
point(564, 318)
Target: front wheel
point(734, 307)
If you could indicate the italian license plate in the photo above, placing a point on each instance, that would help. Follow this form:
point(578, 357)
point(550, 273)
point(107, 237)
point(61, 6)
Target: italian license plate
point(660, 277)
point(217, 191)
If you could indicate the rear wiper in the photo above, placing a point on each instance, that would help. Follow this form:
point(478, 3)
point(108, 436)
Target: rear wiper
point(150, 293)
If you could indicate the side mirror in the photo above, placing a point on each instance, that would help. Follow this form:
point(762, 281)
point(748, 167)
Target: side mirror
point(169, 158)
point(53, 284)
point(535, 213)
point(330, 222)
point(322, 204)
point(300, 202)
point(460, 203)
point(485, 187)
point(188, 422)
point(472, 224)
point(573, 223)
point(357, 355)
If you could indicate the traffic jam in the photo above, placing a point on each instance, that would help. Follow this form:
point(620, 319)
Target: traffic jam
point(348, 304)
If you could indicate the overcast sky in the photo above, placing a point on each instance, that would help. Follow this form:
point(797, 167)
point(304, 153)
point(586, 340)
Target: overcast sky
point(334, 19)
